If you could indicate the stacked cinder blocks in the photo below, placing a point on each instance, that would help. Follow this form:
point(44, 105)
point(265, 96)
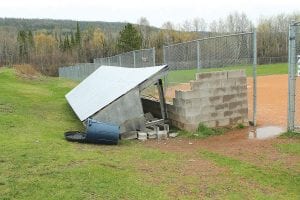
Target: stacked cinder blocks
point(216, 99)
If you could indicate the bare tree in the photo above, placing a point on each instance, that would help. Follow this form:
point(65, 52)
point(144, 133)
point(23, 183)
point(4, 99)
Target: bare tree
point(145, 31)
point(199, 24)
point(238, 22)
point(187, 26)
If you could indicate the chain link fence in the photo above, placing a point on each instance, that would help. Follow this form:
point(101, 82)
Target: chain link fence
point(220, 51)
point(294, 77)
point(78, 72)
point(138, 58)
point(228, 52)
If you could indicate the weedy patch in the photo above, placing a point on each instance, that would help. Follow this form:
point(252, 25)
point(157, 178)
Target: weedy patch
point(203, 132)
point(27, 71)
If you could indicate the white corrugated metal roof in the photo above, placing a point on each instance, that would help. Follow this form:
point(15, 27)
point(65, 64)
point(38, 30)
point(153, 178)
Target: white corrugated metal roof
point(104, 86)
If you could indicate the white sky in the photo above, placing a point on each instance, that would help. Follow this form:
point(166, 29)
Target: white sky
point(156, 11)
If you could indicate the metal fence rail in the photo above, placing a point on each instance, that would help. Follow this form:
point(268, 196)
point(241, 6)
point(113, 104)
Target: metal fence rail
point(78, 72)
point(272, 60)
point(137, 58)
point(294, 78)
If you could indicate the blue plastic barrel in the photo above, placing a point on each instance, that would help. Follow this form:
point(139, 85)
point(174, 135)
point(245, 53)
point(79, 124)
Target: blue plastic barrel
point(102, 133)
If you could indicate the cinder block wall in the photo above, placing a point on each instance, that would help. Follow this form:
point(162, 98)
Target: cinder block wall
point(216, 99)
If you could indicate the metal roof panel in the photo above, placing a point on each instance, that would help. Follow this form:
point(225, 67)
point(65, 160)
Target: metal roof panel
point(104, 86)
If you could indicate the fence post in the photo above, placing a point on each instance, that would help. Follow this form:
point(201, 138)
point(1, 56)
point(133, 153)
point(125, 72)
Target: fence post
point(164, 55)
point(120, 60)
point(254, 76)
point(291, 81)
point(134, 62)
point(153, 55)
point(198, 56)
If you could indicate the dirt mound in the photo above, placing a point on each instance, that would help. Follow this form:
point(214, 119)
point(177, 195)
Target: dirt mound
point(27, 71)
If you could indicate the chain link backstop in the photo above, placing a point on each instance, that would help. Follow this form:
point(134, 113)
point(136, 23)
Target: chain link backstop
point(294, 78)
point(226, 52)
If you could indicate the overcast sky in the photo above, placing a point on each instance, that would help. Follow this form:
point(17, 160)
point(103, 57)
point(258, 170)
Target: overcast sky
point(156, 11)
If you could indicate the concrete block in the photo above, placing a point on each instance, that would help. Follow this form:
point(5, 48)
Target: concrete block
point(228, 113)
point(142, 136)
point(167, 127)
point(242, 96)
point(236, 74)
point(210, 124)
point(236, 120)
point(162, 135)
point(235, 105)
point(241, 81)
point(204, 93)
point(203, 84)
point(173, 135)
point(190, 127)
point(219, 91)
point(188, 95)
point(152, 134)
point(182, 102)
point(237, 89)
point(202, 76)
point(215, 100)
point(229, 98)
point(243, 112)
point(228, 83)
point(223, 106)
point(180, 110)
point(178, 94)
point(206, 117)
point(222, 122)
point(206, 109)
point(211, 75)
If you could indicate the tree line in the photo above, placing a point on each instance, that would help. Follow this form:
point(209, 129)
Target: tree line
point(48, 50)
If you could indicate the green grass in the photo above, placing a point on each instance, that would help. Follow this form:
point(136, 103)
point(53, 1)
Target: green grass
point(37, 163)
point(286, 183)
point(290, 134)
point(183, 76)
point(292, 148)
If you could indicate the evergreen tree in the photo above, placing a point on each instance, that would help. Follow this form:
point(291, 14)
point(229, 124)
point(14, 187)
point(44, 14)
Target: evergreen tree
point(23, 48)
point(30, 39)
point(72, 40)
point(78, 35)
point(60, 44)
point(66, 43)
point(129, 39)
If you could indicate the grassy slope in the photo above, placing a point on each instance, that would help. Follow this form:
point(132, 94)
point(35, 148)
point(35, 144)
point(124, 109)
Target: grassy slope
point(37, 163)
point(183, 76)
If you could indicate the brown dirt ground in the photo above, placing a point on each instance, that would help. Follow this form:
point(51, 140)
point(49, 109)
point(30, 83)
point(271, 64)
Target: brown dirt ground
point(271, 110)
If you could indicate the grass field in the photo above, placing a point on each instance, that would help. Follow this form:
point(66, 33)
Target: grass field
point(183, 76)
point(37, 163)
